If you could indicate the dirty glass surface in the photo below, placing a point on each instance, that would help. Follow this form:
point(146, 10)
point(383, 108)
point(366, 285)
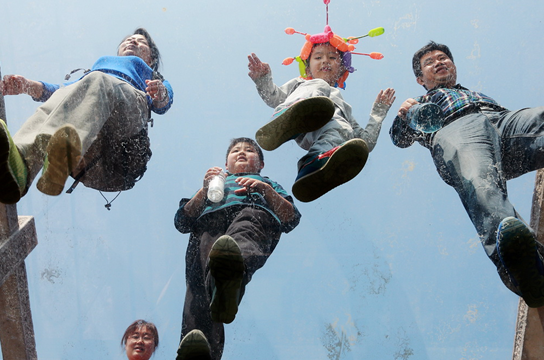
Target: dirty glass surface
point(387, 266)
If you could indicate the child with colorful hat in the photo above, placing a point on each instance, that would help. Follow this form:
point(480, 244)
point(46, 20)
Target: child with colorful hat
point(311, 110)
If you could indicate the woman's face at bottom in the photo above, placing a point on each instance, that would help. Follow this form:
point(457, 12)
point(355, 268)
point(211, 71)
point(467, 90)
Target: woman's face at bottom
point(140, 344)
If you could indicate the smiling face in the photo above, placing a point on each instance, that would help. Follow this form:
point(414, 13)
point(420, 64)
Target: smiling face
point(325, 63)
point(243, 158)
point(136, 45)
point(140, 344)
point(437, 70)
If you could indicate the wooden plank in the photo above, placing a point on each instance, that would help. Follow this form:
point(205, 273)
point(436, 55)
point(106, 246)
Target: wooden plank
point(16, 328)
point(16, 248)
point(17, 239)
point(529, 337)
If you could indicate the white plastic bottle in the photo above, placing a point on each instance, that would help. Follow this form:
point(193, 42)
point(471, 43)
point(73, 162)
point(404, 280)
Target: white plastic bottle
point(216, 188)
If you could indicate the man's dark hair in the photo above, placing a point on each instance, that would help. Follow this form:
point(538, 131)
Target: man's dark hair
point(431, 46)
point(252, 142)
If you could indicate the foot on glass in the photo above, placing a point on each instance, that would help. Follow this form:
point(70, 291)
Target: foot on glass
point(516, 246)
point(194, 346)
point(13, 170)
point(322, 173)
point(63, 155)
point(303, 116)
point(227, 268)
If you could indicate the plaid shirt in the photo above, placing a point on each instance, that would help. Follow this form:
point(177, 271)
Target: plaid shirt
point(457, 100)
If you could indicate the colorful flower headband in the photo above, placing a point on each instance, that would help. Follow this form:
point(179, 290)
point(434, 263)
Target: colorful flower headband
point(344, 45)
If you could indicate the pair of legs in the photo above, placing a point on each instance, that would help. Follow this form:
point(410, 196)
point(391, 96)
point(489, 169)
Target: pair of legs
point(477, 154)
point(320, 126)
point(333, 131)
point(255, 231)
point(99, 107)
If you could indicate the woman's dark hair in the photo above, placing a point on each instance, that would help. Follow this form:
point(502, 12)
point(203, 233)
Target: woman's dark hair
point(155, 53)
point(252, 142)
point(431, 46)
point(138, 324)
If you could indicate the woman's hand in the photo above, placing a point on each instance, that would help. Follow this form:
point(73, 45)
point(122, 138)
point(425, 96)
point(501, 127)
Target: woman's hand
point(157, 91)
point(17, 84)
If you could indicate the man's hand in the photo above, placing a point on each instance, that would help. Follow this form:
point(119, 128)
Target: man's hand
point(406, 105)
point(257, 68)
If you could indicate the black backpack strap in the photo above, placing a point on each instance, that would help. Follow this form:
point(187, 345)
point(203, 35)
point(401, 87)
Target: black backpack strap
point(82, 172)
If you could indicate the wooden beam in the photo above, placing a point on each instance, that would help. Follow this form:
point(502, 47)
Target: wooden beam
point(15, 248)
point(16, 328)
point(529, 338)
point(17, 239)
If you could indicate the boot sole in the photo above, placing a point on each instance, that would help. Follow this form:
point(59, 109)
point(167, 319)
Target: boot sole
point(518, 253)
point(302, 117)
point(63, 152)
point(344, 164)
point(194, 346)
point(10, 192)
point(227, 268)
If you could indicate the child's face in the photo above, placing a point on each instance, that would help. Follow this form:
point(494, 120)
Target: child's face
point(325, 63)
point(243, 158)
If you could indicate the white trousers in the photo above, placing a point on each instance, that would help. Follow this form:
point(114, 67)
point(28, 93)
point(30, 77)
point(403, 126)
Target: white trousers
point(103, 109)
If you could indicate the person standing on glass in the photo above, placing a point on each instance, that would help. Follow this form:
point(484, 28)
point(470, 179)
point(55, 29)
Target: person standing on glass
point(480, 146)
point(93, 129)
point(230, 239)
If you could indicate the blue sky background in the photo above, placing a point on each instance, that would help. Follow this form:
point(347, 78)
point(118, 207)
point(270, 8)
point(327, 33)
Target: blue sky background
point(387, 266)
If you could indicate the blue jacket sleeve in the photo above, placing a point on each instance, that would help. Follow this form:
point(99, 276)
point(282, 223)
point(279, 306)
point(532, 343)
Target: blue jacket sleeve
point(48, 90)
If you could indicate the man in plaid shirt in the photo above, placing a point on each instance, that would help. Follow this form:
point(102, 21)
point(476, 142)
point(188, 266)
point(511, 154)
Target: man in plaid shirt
point(480, 146)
